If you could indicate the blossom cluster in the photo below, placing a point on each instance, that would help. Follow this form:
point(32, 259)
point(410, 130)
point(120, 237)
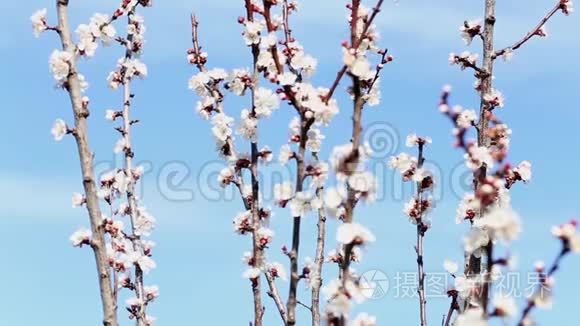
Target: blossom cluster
point(411, 169)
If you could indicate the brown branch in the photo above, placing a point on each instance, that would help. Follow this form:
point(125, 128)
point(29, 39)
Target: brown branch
point(300, 173)
point(351, 201)
point(335, 83)
point(473, 264)
point(531, 33)
point(270, 27)
point(275, 295)
point(257, 251)
point(482, 73)
point(318, 262)
point(452, 307)
point(198, 60)
point(305, 306)
point(86, 161)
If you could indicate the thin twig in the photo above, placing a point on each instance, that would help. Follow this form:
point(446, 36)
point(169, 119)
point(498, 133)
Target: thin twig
point(421, 229)
point(531, 33)
point(531, 303)
point(130, 193)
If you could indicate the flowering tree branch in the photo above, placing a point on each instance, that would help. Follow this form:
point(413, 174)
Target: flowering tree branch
point(133, 46)
point(117, 252)
point(81, 112)
point(316, 273)
point(348, 162)
point(422, 227)
point(254, 206)
point(492, 144)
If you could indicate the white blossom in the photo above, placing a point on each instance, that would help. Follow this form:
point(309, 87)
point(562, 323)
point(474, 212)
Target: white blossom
point(373, 97)
point(494, 98)
point(134, 67)
point(353, 233)
point(361, 68)
point(314, 140)
point(364, 183)
point(505, 306)
point(363, 319)
point(508, 54)
point(59, 129)
point(567, 7)
point(475, 240)
point(221, 128)
point(77, 199)
point(205, 106)
point(146, 263)
point(471, 317)
point(199, 84)
point(277, 270)
point(463, 59)
point(237, 81)
point(287, 79)
point(217, 74)
point(110, 115)
point(264, 236)
point(467, 209)
point(242, 222)
point(502, 222)
point(248, 126)
point(120, 145)
point(226, 176)
point(450, 266)
point(477, 156)
point(252, 32)
point(83, 84)
point(524, 170)
point(403, 162)
point(60, 65)
point(144, 222)
point(38, 20)
point(574, 243)
point(87, 44)
point(151, 291)
point(302, 203)
point(469, 30)
point(466, 118)
point(305, 62)
point(283, 192)
point(265, 102)
point(285, 154)
point(80, 237)
point(102, 28)
point(251, 273)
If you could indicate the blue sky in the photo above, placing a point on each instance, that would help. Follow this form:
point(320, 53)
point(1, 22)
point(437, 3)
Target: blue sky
point(199, 268)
